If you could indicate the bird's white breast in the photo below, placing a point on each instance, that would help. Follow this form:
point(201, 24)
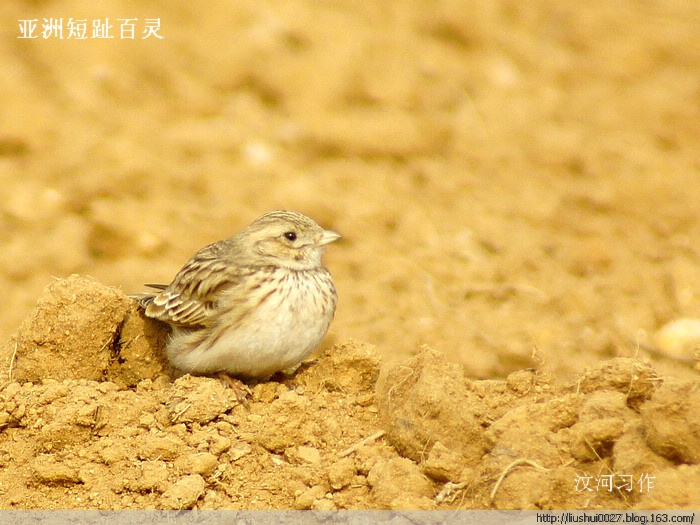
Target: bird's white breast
point(277, 334)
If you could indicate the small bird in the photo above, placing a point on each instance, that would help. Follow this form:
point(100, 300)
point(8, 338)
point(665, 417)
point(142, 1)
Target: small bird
point(251, 305)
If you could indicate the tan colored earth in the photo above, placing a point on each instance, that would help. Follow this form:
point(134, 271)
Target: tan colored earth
point(517, 186)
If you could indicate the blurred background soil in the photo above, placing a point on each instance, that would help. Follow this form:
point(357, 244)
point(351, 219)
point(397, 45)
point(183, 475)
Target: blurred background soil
point(516, 182)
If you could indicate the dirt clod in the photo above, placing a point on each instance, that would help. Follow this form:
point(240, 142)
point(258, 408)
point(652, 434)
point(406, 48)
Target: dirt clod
point(198, 400)
point(71, 333)
point(414, 489)
point(672, 422)
point(428, 400)
point(601, 422)
point(184, 493)
point(637, 380)
point(48, 470)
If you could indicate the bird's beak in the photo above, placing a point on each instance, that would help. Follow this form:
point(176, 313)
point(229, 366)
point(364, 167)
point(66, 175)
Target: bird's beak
point(327, 237)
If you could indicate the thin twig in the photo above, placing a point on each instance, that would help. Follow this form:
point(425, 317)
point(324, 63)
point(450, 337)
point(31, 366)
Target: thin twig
point(176, 416)
point(362, 443)
point(12, 363)
point(509, 468)
point(403, 380)
point(449, 490)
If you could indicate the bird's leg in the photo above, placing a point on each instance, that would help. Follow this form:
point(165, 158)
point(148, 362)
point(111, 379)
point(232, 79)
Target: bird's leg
point(239, 388)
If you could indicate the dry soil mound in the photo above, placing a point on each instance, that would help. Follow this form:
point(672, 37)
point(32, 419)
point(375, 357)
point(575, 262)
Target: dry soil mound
point(91, 417)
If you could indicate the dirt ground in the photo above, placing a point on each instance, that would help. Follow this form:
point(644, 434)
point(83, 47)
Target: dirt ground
point(516, 184)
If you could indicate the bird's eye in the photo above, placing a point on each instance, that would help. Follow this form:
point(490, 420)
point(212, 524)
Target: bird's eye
point(290, 236)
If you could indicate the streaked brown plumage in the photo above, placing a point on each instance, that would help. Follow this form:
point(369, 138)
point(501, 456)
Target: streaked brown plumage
point(250, 305)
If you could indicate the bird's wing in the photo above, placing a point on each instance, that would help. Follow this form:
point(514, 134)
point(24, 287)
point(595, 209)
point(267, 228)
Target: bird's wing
point(191, 299)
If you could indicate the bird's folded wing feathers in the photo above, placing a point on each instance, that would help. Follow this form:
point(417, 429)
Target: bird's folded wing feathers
point(191, 299)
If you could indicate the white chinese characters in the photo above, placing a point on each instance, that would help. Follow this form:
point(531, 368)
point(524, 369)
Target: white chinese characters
point(82, 29)
point(610, 482)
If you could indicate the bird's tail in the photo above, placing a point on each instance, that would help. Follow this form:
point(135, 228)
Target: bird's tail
point(146, 298)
